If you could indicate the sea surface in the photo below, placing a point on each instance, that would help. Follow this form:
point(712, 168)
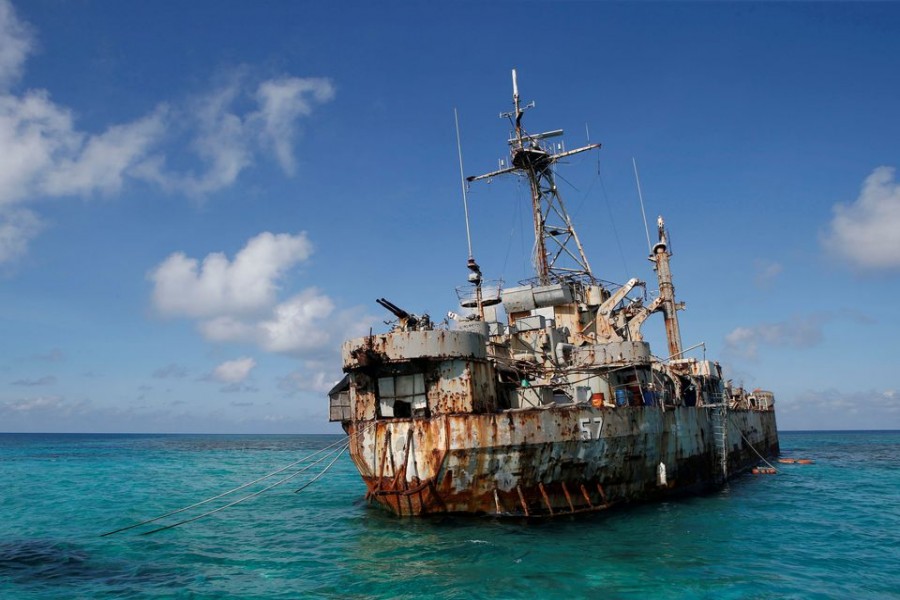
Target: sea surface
point(826, 530)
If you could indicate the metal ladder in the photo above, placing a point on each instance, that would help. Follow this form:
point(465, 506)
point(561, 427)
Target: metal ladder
point(719, 415)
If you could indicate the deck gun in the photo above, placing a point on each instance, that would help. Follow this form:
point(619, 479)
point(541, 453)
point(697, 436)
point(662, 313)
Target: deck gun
point(407, 321)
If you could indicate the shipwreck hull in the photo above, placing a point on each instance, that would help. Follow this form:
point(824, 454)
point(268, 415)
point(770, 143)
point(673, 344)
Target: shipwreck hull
point(562, 459)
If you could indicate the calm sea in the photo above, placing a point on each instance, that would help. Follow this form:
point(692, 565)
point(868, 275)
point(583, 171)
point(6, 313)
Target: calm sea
point(827, 530)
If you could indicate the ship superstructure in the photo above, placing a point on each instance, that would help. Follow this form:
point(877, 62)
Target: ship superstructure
point(559, 408)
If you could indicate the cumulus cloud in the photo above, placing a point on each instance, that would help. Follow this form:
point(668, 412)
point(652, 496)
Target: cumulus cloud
point(15, 44)
point(44, 154)
point(297, 324)
point(236, 301)
point(234, 371)
point(866, 232)
point(302, 325)
point(800, 332)
point(185, 287)
point(293, 326)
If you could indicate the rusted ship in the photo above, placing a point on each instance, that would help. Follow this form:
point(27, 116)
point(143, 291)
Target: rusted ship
point(558, 408)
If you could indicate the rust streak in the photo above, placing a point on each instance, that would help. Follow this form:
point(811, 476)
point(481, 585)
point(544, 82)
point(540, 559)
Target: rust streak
point(546, 499)
point(383, 462)
point(602, 495)
point(568, 497)
point(587, 496)
point(389, 442)
point(522, 500)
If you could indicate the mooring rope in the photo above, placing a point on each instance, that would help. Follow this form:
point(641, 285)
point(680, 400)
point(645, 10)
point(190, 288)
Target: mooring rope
point(342, 444)
point(749, 443)
point(325, 470)
point(339, 451)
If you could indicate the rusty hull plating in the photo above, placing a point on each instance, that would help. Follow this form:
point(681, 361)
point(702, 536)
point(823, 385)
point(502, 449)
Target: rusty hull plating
point(559, 410)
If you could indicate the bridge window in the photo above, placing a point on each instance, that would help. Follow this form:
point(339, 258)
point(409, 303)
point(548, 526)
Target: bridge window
point(401, 395)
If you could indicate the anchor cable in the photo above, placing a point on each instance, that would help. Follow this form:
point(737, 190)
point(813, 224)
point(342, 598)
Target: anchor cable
point(325, 470)
point(248, 496)
point(749, 443)
point(343, 443)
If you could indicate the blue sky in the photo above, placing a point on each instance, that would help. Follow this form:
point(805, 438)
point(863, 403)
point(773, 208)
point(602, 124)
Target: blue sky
point(199, 201)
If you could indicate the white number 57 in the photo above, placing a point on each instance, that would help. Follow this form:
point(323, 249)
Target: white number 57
point(586, 432)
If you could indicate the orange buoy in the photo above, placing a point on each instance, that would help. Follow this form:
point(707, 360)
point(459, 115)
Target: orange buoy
point(764, 471)
point(804, 461)
point(787, 461)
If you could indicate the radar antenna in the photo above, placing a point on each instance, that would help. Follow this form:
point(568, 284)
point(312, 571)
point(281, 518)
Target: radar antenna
point(558, 254)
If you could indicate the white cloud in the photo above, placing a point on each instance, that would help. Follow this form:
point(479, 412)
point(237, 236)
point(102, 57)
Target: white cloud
point(15, 44)
point(236, 301)
point(220, 141)
point(17, 228)
point(800, 332)
point(39, 403)
point(302, 325)
point(226, 139)
point(43, 153)
point(866, 232)
point(221, 288)
point(318, 381)
point(234, 371)
point(298, 324)
point(837, 409)
point(103, 162)
point(281, 102)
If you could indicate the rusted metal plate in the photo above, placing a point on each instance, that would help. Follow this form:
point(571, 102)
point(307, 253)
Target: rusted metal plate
point(476, 463)
point(410, 345)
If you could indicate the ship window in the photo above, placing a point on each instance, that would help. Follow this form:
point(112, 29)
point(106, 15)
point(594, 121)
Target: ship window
point(399, 396)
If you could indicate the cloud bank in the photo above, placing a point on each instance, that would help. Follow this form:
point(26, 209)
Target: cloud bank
point(44, 154)
point(866, 232)
point(236, 301)
point(840, 409)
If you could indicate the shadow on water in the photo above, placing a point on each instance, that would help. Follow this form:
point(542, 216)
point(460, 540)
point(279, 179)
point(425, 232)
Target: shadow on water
point(28, 560)
point(39, 563)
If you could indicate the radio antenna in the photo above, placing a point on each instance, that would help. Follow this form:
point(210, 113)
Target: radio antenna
point(641, 198)
point(462, 180)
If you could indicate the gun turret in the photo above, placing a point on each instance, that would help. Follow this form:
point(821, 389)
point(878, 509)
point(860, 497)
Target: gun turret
point(407, 320)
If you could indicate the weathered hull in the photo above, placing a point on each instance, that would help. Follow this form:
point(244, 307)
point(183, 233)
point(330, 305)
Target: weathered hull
point(558, 460)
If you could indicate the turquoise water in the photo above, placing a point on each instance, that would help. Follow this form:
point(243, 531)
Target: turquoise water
point(828, 530)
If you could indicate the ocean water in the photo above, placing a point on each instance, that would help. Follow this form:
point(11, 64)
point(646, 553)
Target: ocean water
point(827, 530)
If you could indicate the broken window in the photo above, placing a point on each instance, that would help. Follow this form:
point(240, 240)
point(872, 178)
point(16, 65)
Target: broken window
point(402, 395)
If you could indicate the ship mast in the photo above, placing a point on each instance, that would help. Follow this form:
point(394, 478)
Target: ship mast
point(555, 239)
point(660, 257)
